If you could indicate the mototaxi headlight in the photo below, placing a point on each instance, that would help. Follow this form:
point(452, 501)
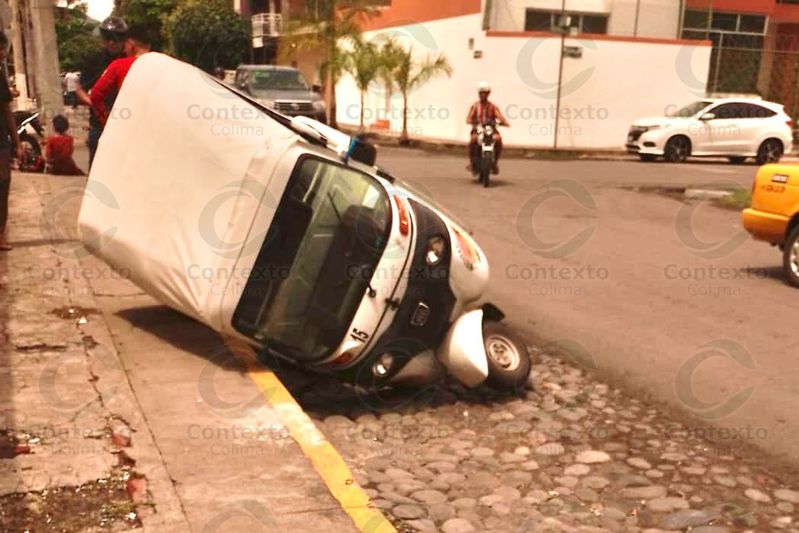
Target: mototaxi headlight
point(436, 247)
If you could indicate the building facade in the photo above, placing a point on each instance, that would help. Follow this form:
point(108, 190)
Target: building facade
point(635, 18)
point(574, 82)
point(755, 46)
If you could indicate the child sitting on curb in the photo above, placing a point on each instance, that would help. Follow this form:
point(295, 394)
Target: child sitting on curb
point(59, 148)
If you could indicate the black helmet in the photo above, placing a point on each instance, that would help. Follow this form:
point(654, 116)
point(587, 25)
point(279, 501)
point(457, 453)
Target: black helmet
point(114, 28)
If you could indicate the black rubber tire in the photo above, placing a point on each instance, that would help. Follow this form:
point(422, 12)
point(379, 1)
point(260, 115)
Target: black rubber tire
point(647, 158)
point(737, 160)
point(675, 152)
point(486, 164)
point(791, 276)
point(771, 151)
point(500, 378)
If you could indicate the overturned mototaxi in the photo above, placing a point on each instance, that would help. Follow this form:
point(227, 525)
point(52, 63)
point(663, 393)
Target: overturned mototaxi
point(283, 233)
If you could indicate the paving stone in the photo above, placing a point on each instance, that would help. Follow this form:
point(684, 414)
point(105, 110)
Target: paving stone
point(397, 498)
point(408, 511)
point(592, 457)
point(644, 493)
point(482, 452)
point(785, 507)
point(509, 493)
point(567, 481)
point(550, 449)
point(758, 496)
point(725, 481)
point(638, 462)
point(464, 503)
point(397, 473)
point(586, 495)
point(577, 470)
point(595, 482)
point(782, 522)
point(441, 512)
point(529, 465)
point(665, 505)
point(429, 497)
point(687, 518)
point(615, 514)
point(787, 495)
point(424, 525)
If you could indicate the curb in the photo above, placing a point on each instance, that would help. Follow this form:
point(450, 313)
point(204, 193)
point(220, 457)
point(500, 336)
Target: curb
point(514, 152)
point(324, 458)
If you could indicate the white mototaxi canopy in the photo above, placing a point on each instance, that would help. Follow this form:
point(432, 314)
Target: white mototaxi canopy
point(180, 180)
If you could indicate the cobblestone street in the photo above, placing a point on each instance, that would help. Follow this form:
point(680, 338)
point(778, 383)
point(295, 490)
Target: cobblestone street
point(575, 455)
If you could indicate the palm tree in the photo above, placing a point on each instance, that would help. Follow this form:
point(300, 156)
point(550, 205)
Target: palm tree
point(409, 75)
point(326, 24)
point(364, 63)
point(390, 56)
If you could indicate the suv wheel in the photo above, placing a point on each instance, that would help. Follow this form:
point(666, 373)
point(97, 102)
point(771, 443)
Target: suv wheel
point(769, 152)
point(677, 149)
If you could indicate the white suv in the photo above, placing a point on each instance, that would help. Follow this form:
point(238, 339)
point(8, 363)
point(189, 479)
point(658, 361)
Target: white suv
point(735, 128)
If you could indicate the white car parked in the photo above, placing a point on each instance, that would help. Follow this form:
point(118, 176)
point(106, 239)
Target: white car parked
point(735, 128)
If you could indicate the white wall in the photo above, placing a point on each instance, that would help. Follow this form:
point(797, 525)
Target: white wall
point(612, 84)
point(656, 18)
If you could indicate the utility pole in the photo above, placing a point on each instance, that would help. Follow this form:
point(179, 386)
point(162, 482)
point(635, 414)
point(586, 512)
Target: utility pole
point(49, 94)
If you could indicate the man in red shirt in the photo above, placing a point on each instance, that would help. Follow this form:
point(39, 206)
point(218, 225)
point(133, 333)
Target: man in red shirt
point(136, 45)
point(480, 113)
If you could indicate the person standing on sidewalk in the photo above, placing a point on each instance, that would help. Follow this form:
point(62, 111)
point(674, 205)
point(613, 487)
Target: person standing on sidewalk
point(136, 45)
point(8, 138)
point(113, 32)
point(72, 82)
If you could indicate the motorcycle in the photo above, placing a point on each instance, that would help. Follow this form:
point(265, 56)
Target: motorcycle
point(483, 161)
point(29, 128)
point(326, 261)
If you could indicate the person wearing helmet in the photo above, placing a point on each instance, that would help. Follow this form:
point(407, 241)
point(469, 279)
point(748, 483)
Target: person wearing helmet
point(481, 112)
point(113, 34)
point(110, 82)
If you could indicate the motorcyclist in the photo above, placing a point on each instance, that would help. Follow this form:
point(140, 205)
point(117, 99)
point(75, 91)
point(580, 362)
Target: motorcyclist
point(113, 33)
point(481, 112)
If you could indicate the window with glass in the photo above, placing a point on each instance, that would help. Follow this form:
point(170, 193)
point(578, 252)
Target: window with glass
point(314, 267)
point(546, 20)
point(737, 43)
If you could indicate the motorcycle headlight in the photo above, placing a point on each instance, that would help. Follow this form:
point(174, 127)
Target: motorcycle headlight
point(436, 247)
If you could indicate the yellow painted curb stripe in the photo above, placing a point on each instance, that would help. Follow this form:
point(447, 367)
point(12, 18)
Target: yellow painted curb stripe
point(324, 457)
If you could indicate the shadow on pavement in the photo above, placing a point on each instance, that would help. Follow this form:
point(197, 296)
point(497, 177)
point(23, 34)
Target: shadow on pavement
point(320, 394)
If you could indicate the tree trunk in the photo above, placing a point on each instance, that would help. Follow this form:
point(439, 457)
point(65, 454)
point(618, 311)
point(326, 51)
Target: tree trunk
point(362, 110)
point(333, 120)
point(404, 139)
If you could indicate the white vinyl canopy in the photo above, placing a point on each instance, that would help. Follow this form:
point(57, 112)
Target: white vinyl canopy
point(182, 168)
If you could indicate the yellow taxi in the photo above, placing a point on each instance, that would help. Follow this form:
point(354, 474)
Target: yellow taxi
point(774, 214)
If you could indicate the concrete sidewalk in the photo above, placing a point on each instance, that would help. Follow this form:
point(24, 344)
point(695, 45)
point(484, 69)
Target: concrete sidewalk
point(99, 382)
